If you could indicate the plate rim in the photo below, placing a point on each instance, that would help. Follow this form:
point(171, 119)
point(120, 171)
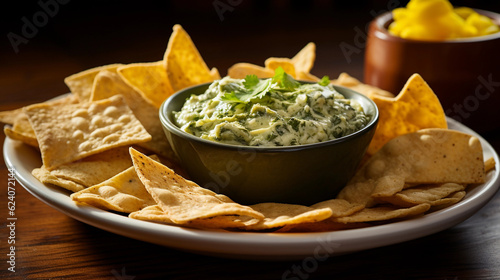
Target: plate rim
point(261, 246)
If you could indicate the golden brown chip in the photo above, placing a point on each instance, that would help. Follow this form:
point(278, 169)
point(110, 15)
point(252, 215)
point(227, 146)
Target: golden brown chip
point(81, 83)
point(22, 131)
point(156, 214)
point(149, 79)
point(152, 214)
point(72, 132)
point(96, 168)
point(184, 65)
point(44, 176)
point(416, 107)
point(303, 76)
point(286, 63)
point(181, 199)
point(304, 59)
point(214, 72)
point(280, 214)
point(9, 117)
point(123, 192)
point(350, 82)
point(434, 194)
point(489, 164)
point(339, 207)
point(428, 156)
point(241, 70)
point(109, 83)
point(383, 213)
point(20, 128)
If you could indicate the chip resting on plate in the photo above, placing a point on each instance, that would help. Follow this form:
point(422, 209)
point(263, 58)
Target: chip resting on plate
point(183, 200)
point(123, 192)
point(88, 171)
point(72, 132)
point(428, 156)
point(109, 83)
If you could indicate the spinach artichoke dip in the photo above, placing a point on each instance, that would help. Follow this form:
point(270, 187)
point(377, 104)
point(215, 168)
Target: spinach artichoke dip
point(278, 111)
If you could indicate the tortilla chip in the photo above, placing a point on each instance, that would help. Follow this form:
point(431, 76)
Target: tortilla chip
point(109, 83)
point(184, 65)
point(435, 194)
point(96, 168)
point(81, 83)
point(181, 199)
point(241, 70)
point(72, 132)
point(214, 72)
point(489, 164)
point(156, 214)
point(304, 59)
point(22, 131)
point(416, 107)
point(44, 176)
point(350, 82)
point(280, 214)
point(303, 76)
point(428, 156)
point(339, 207)
point(383, 213)
point(9, 117)
point(149, 79)
point(273, 63)
point(123, 192)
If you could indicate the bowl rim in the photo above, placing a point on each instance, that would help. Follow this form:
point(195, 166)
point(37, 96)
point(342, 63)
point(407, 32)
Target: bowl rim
point(173, 128)
point(381, 31)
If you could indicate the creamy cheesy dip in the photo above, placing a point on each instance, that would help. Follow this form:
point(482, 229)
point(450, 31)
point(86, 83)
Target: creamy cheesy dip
point(270, 112)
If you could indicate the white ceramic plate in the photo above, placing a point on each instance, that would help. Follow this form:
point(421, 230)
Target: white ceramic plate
point(255, 245)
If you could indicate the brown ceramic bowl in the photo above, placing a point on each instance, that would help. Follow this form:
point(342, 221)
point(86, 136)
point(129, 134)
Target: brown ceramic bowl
point(464, 73)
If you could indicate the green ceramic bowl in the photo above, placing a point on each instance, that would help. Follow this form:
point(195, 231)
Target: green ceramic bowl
point(303, 174)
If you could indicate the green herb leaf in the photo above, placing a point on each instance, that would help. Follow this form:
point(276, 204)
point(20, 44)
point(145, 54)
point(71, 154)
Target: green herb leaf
point(284, 80)
point(251, 81)
point(254, 88)
point(324, 81)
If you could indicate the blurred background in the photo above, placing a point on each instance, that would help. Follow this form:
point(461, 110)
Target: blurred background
point(45, 41)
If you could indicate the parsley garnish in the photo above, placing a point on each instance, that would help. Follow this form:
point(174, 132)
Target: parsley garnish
point(255, 88)
point(284, 80)
point(324, 81)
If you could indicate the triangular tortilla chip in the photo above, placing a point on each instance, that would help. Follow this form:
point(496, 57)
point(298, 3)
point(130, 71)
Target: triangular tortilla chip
point(416, 107)
point(81, 83)
point(241, 70)
point(280, 214)
point(149, 79)
point(181, 199)
point(304, 59)
point(184, 65)
point(383, 213)
point(123, 192)
point(273, 63)
point(368, 90)
point(428, 156)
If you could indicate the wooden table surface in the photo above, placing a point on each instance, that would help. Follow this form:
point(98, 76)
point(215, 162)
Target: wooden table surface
point(75, 36)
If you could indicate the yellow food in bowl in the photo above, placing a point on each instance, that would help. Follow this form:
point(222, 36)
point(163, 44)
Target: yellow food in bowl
point(436, 20)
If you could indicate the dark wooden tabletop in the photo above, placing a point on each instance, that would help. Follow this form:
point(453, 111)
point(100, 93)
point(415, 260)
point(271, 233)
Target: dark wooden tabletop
point(66, 37)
